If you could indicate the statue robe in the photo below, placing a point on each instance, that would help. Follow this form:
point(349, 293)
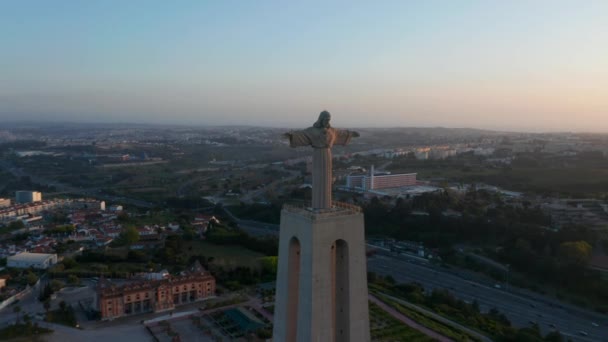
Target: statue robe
point(322, 140)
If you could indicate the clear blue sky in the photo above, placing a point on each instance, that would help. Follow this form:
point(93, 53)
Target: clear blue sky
point(530, 65)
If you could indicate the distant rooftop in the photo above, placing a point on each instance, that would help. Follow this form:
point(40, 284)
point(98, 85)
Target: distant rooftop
point(30, 257)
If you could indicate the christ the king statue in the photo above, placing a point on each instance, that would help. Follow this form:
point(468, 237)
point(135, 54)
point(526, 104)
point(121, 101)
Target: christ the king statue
point(321, 136)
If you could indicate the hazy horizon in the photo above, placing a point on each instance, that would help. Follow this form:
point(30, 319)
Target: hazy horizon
point(39, 123)
point(516, 66)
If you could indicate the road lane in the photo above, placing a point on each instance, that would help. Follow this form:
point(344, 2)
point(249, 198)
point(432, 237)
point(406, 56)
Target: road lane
point(520, 309)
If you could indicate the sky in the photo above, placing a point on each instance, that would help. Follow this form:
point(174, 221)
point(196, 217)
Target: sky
point(503, 65)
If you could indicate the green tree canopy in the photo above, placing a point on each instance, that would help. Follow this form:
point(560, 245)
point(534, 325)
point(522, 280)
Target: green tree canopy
point(129, 235)
point(269, 264)
point(16, 225)
point(575, 252)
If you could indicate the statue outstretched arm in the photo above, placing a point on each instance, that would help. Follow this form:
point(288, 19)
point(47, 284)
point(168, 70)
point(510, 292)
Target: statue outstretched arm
point(344, 136)
point(298, 138)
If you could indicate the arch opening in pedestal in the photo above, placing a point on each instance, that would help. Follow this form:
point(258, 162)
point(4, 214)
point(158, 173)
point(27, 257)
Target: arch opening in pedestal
point(341, 291)
point(293, 279)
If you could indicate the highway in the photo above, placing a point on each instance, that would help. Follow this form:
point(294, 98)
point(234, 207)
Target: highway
point(254, 228)
point(259, 229)
point(521, 307)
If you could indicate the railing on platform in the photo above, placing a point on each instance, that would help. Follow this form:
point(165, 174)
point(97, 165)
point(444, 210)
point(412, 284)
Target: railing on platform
point(337, 209)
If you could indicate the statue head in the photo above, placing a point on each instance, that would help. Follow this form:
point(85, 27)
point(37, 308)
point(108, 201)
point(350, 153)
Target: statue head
point(323, 121)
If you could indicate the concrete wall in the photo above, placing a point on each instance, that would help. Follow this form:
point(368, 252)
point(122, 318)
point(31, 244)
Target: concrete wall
point(322, 290)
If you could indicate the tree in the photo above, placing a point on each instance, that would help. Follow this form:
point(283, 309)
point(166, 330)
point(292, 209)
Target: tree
point(554, 336)
point(74, 280)
point(61, 248)
point(16, 225)
point(189, 233)
point(123, 217)
point(32, 278)
point(531, 334)
point(389, 279)
point(69, 263)
point(129, 235)
point(56, 285)
point(575, 253)
point(45, 293)
point(264, 333)
point(137, 256)
point(17, 310)
point(269, 264)
point(59, 217)
point(475, 306)
point(63, 229)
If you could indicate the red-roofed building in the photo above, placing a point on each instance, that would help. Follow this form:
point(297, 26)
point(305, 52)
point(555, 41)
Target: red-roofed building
point(146, 231)
point(154, 295)
point(206, 218)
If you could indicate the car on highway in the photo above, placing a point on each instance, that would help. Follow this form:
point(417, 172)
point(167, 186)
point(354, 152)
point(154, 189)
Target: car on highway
point(595, 324)
point(583, 333)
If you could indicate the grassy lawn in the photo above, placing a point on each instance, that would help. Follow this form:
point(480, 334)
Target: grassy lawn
point(87, 267)
point(227, 256)
point(23, 330)
point(257, 212)
point(224, 255)
point(484, 324)
point(429, 322)
point(385, 327)
point(160, 218)
point(64, 315)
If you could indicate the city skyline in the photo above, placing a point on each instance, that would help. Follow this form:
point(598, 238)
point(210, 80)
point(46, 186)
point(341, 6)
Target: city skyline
point(514, 66)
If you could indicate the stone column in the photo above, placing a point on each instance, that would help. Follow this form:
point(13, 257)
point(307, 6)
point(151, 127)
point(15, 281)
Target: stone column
point(321, 178)
point(321, 278)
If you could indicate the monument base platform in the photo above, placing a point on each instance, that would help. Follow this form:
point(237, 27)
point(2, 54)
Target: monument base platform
point(321, 290)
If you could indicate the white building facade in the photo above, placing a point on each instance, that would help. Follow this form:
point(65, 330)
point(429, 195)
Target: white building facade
point(35, 260)
point(23, 196)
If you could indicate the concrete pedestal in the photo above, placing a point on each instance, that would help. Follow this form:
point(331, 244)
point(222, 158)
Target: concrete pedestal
point(321, 291)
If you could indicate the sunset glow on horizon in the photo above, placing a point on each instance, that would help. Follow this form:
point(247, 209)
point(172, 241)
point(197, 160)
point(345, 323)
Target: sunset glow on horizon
point(517, 65)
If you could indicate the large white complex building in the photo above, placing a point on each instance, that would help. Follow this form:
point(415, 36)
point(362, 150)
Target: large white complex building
point(15, 212)
point(28, 196)
point(35, 260)
point(373, 181)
